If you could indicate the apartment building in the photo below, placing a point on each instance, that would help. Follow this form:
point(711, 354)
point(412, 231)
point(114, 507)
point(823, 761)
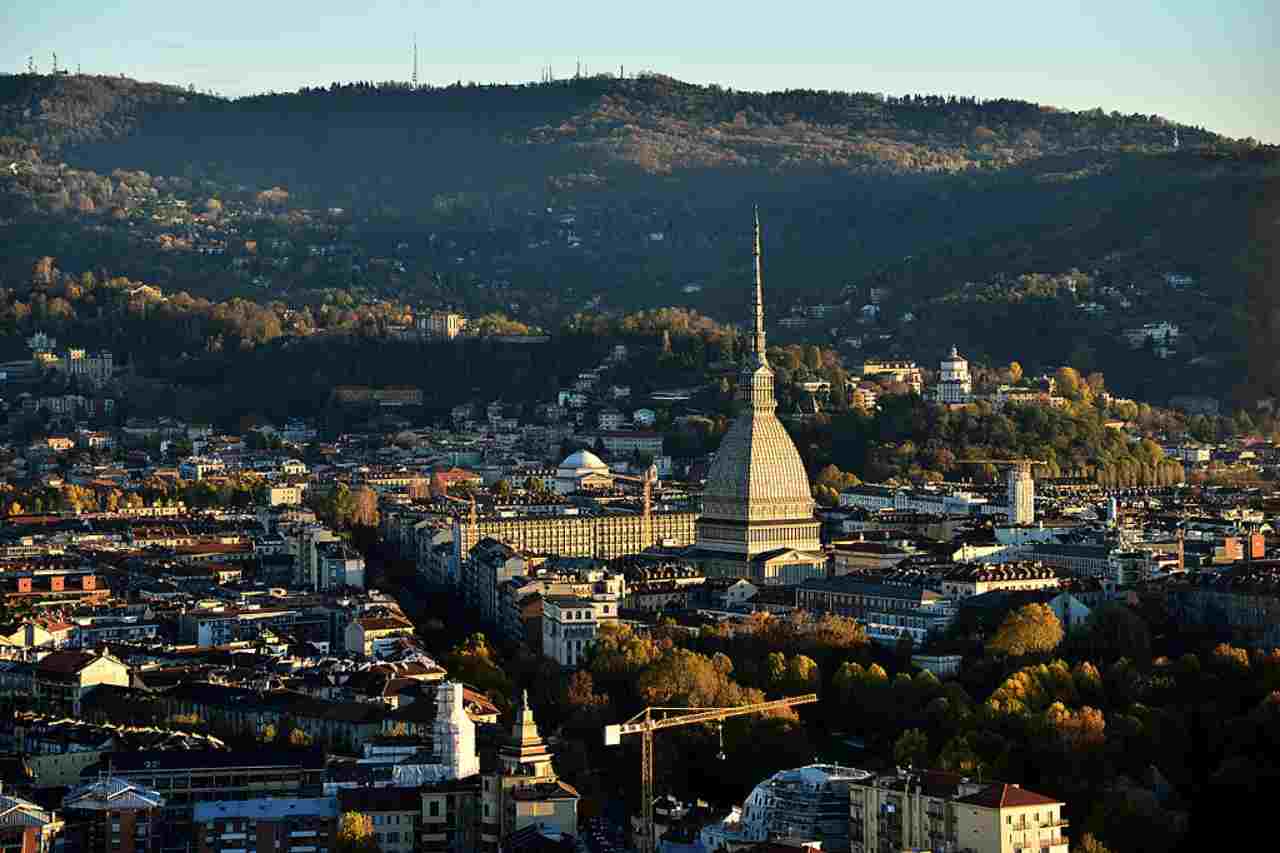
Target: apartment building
point(372, 636)
point(26, 827)
point(906, 372)
point(218, 626)
point(187, 778)
point(268, 825)
point(570, 624)
point(396, 814)
point(935, 810)
point(887, 610)
point(115, 814)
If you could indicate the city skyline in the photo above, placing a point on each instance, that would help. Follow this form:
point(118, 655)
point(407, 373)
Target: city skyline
point(1191, 64)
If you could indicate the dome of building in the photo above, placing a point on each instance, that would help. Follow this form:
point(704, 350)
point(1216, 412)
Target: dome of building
point(582, 471)
point(757, 474)
point(583, 460)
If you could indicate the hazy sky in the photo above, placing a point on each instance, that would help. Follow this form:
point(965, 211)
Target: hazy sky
point(1203, 63)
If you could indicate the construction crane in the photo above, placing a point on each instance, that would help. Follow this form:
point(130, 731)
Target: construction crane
point(646, 481)
point(646, 723)
point(473, 525)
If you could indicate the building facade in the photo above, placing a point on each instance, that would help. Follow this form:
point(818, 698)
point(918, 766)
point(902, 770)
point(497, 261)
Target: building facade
point(955, 385)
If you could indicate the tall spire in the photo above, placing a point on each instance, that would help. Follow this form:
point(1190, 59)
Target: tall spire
point(758, 343)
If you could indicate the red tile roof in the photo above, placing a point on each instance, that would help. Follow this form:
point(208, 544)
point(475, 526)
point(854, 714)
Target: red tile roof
point(1007, 796)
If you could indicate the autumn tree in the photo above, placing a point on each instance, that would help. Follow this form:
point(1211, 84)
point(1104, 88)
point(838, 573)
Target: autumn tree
point(802, 674)
point(1031, 629)
point(355, 834)
point(684, 678)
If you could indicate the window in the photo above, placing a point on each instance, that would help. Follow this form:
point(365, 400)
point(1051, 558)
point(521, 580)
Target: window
point(434, 811)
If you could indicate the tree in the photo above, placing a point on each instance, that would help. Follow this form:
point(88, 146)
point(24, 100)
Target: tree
point(1089, 844)
point(1015, 373)
point(1068, 384)
point(502, 489)
point(355, 834)
point(802, 674)
point(1116, 631)
point(911, 749)
point(959, 755)
point(1031, 629)
point(775, 668)
point(904, 648)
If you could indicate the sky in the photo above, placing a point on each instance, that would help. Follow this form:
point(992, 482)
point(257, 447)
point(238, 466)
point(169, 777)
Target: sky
point(1194, 62)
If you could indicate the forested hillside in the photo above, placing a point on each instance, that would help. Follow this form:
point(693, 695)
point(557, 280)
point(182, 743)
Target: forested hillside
point(625, 194)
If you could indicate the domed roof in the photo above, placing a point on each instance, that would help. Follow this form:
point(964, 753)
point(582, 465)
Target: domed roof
point(757, 474)
point(584, 459)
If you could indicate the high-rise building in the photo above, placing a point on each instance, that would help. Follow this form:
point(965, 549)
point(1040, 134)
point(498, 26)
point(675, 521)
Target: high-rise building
point(1022, 495)
point(757, 503)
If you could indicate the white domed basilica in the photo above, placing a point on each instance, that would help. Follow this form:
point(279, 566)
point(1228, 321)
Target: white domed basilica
point(582, 471)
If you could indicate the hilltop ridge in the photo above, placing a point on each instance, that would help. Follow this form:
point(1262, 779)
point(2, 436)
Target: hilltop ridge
point(606, 195)
point(654, 124)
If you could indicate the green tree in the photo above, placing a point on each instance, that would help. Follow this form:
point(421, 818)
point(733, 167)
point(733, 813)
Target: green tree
point(802, 674)
point(775, 668)
point(1031, 629)
point(911, 749)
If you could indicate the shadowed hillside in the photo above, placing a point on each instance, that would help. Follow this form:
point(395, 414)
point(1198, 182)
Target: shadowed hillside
point(944, 202)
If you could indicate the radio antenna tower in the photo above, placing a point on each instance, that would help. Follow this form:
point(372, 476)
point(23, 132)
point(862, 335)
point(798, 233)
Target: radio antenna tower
point(415, 60)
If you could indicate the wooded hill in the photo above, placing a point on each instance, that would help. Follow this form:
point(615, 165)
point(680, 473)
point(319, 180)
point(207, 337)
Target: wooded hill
point(924, 195)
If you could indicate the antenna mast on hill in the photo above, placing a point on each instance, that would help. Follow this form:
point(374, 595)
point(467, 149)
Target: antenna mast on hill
point(415, 60)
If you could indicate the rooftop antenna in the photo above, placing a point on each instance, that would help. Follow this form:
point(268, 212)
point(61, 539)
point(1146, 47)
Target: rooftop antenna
point(415, 60)
point(31, 65)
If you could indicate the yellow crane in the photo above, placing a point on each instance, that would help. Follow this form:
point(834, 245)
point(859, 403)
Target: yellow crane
point(473, 525)
point(646, 482)
point(646, 723)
